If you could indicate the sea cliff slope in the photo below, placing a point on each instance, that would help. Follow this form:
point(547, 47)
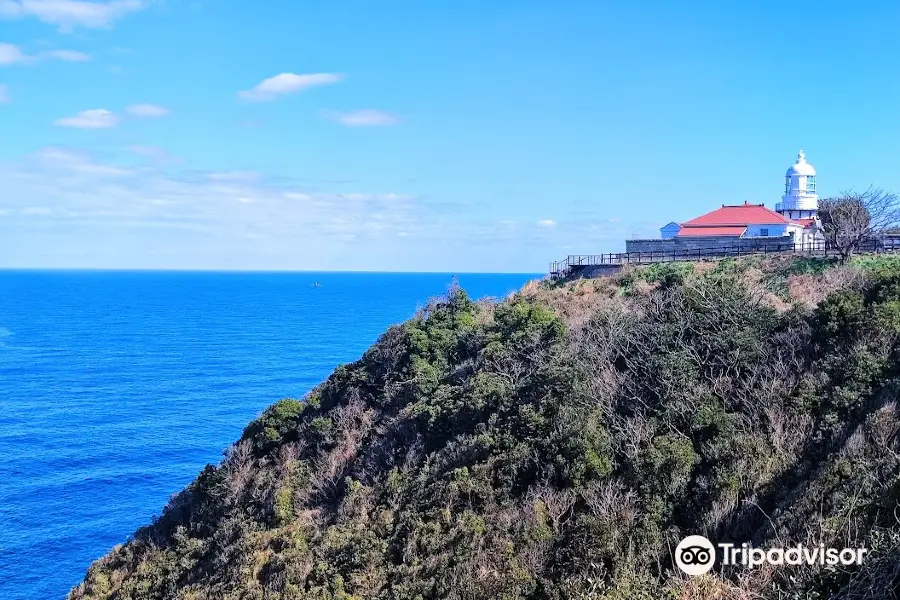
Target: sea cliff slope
point(559, 443)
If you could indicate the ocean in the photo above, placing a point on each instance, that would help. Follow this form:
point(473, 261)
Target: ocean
point(116, 388)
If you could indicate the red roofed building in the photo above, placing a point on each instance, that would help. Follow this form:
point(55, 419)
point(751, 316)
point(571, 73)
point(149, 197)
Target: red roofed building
point(742, 220)
point(794, 219)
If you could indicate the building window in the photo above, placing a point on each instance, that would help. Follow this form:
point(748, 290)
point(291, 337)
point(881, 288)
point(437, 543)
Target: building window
point(764, 232)
point(811, 184)
point(787, 184)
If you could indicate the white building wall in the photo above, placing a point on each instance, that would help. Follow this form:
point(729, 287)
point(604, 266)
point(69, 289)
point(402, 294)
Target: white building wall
point(798, 198)
point(799, 214)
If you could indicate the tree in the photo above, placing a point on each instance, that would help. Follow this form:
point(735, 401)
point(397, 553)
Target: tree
point(855, 218)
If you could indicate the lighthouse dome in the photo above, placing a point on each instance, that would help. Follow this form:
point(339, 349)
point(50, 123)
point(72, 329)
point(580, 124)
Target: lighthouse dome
point(801, 167)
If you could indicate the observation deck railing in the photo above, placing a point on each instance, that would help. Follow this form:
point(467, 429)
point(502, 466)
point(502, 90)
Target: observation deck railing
point(578, 262)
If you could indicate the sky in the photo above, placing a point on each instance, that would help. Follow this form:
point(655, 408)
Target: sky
point(401, 135)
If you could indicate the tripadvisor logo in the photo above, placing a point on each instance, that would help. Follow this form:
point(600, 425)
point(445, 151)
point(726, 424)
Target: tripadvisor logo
point(696, 555)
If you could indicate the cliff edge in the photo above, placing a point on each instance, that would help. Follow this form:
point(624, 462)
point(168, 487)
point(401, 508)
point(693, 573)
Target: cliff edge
point(558, 444)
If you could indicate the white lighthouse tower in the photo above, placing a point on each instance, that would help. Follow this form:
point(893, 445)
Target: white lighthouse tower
point(800, 200)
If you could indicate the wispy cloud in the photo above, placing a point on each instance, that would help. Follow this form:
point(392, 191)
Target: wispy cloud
point(147, 111)
point(101, 118)
point(148, 151)
point(362, 118)
point(75, 185)
point(287, 83)
point(98, 118)
point(68, 207)
point(235, 176)
point(66, 55)
point(36, 210)
point(56, 159)
point(10, 54)
point(300, 196)
point(154, 154)
point(69, 14)
point(547, 223)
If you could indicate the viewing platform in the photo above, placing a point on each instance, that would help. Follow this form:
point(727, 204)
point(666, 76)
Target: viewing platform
point(612, 262)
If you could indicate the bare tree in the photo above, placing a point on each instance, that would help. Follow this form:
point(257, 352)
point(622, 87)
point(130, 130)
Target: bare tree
point(855, 218)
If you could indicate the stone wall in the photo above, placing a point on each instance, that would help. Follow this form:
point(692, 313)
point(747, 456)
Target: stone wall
point(591, 271)
point(712, 243)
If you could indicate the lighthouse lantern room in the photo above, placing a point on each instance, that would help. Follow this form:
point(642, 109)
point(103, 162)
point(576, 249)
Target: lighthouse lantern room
point(800, 200)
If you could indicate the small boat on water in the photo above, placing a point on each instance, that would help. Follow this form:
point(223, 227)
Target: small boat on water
point(317, 284)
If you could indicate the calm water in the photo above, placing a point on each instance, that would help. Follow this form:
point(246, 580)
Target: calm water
point(116, 388)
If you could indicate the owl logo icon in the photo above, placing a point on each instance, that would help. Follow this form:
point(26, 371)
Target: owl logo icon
point(695, 555)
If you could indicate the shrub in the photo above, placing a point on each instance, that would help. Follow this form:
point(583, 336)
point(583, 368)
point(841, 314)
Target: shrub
point(496, 452)
point(275, 424)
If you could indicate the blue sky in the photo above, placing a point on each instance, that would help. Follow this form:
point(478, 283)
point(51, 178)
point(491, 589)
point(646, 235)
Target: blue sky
point(423, 136)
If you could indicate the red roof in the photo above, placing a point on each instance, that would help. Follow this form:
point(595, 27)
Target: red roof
point(740, 215)
point(694, 231)
point(805, 222)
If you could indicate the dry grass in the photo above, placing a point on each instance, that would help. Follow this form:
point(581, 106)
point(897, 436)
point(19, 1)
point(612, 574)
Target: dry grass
point(710, 587)
point(576, 302)
point(809, 290)
point(754, 281)
point(704, 267)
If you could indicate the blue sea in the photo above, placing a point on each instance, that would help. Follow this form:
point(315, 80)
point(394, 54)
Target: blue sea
point(116, 388)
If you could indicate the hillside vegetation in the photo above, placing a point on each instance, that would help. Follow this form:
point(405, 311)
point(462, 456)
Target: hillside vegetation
point(558, 444)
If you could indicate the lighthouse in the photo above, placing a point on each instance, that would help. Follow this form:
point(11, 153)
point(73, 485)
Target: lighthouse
point(800, 200)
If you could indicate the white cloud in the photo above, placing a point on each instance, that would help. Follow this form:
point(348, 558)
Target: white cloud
point(66, 55)
point(547, 223)
point(55, 155)
point(36, 211)
point(147, 111)
point(363, 118)
point(287, 83)
point(76, 185)
point(388, 197)
point(355, 196)
point(4, 94)
point(11, 54)
point(98, 118)
point(393, 196)
point(62, 159)
point(234, 176)
point(69, 14)
point(297, 196)
point(148, 151)
point(154, 153)
point(111, 210)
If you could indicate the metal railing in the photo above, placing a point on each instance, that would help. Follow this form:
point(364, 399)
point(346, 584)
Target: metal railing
point(576, 262)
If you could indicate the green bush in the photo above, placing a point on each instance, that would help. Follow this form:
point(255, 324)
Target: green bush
point(514, 451)
point(276, 422)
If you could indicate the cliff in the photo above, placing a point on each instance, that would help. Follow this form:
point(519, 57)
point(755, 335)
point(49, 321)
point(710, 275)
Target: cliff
point(559, 444)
